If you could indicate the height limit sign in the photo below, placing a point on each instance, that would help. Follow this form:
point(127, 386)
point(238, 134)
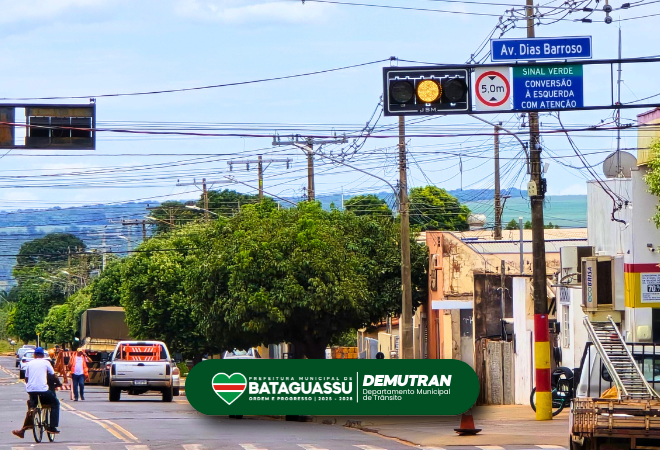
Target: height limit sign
point(492, 89)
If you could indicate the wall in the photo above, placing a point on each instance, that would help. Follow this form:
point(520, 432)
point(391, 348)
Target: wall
point(646, 135)
point(523, 326)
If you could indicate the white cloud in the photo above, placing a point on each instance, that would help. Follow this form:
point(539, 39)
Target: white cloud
point(16, 11)
point(237, 12)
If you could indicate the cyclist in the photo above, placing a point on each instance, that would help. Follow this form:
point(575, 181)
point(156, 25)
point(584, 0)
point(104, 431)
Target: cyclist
point(36, 385)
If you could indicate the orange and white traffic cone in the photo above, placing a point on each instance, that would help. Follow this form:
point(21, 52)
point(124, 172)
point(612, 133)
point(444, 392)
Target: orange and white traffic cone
point(467, 427)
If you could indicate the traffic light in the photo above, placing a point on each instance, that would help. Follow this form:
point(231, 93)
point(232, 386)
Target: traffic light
point(425, 91)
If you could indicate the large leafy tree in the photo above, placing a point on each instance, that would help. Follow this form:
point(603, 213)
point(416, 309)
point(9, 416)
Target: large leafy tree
point(153, 294)
point(31, 309)
point(432, 208)
point(171, 214)
point(229, 202)
point(652, 177)
point(52, 248)
point(367, 204)
point(301, 275)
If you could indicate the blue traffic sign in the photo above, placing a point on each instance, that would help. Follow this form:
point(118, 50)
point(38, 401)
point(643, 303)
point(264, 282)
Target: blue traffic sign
point(561, 48)
point(548, 87)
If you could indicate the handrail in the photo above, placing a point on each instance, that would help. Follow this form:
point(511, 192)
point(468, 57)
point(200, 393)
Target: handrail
point(621, 390)
point(629, 353)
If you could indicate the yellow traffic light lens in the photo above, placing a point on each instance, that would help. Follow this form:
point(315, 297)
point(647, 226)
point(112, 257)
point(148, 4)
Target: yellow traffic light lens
point(428, 91)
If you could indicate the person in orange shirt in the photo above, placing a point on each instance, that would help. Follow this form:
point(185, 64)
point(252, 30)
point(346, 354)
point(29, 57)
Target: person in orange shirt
point(79, 373)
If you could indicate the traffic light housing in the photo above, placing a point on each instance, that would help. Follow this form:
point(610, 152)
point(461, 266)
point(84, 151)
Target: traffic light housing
point(424, 91)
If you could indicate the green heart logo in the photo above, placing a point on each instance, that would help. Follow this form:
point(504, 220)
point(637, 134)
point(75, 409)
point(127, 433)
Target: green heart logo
point(229, 387)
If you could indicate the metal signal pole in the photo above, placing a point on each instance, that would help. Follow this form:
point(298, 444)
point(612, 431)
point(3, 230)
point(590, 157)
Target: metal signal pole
point(497, 233)
point(541, 332)
point(405, 325)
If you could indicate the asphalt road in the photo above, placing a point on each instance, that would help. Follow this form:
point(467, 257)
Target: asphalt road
point(144, 422)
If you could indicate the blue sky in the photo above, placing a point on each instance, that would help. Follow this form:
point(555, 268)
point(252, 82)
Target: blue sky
point(93, 47)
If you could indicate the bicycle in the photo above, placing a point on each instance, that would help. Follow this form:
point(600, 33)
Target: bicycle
point(41, 422)
point(562, 390)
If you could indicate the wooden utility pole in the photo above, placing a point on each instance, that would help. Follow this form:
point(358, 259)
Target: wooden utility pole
point(260, 168)
point(497, 233)
point(137, 222)
point(536, 193)
point(205, 195)
point(307, 144)
point(405, 324)
point(503, 295)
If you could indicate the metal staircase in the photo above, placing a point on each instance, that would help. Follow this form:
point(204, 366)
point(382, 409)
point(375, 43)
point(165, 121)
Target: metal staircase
point(618, 360)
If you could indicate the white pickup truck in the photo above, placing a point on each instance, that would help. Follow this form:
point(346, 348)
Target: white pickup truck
point(141, 366)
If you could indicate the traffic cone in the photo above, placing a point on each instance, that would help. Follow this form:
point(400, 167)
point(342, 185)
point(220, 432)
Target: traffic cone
point(467, 425)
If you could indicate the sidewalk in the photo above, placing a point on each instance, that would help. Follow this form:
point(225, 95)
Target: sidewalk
point(501, 425)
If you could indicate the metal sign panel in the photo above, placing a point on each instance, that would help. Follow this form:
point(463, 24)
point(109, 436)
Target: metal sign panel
point(492, 88)
point(395, 77)
point(64, 127)
point(554, 87)
point(561, 48)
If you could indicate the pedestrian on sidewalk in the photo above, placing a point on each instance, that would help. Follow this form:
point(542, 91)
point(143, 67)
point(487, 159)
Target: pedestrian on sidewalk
point(79, 374)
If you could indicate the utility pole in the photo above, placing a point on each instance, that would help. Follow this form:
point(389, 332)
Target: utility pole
point(522, 242)
point(306, 144)
point(103, 254)
point(498, 208)
point(405, 325)
point(135, 222)
point(503, 295)
point(537, 188)
point(619, 169)
point(205, 195)
point(260, 168)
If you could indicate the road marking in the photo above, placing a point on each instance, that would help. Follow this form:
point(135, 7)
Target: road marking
point(194, 447)
point(251, 447)
point(489, 447)
point(137, 447)
point(311, 447)
point(110, 426)
point(368, 447)
point(433, 448)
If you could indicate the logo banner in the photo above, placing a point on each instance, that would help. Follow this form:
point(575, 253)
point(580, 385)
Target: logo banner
point(332, 387)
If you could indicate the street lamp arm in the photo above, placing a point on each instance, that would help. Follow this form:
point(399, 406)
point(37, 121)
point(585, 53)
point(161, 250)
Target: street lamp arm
point(396, 193)
point(506, 131)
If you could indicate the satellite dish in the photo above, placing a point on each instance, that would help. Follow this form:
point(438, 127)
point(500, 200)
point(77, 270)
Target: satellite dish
point(619, 165)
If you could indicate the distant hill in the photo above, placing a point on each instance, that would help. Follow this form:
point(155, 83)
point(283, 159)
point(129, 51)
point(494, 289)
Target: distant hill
point(91, 223)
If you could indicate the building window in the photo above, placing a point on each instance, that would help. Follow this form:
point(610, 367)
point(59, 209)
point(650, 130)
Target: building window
point(565, 327)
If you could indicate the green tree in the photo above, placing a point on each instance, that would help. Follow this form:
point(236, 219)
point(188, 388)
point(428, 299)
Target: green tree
point(106, 289)
point(52, 248)
point(153, 294)
point(171, 214)
point(361, 205)
point(301, 275)
point(528, 225)
point(229, 202)
point(432, 208)
point(512, 225)
point(56, 328)
point(550, 226)
point(652, 177)
point(31, 309)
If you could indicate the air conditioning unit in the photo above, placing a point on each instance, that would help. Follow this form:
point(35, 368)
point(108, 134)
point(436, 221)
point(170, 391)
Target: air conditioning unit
point(571, 264)
point(600, 290)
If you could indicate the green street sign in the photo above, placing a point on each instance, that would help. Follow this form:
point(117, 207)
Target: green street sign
point(332, 387)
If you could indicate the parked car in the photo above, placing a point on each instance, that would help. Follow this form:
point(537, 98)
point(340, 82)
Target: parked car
point(27, 357)
point(21, 351)
point(137, 367)
point(251, 353)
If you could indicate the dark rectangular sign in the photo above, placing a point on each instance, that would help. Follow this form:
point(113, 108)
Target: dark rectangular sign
point(535, 49)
